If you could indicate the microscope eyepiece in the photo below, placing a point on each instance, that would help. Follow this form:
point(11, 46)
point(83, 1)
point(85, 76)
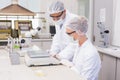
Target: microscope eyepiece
point(106, 31)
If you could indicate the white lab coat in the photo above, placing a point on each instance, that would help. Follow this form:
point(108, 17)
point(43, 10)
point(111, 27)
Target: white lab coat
point(61, 41)
point(86, 61)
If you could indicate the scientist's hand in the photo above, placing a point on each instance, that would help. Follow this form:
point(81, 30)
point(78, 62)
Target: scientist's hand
point(55, 56)
point(66, 63)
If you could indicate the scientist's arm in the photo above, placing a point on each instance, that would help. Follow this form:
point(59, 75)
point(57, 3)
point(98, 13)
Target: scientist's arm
point(68, 52)
point(55, 45)
point(70, 65)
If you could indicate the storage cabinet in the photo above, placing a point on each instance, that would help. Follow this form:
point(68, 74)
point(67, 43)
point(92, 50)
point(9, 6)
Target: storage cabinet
point(5, 29)
point(22, 26)
point(118, 70)
point(100, 73)
point(108, 69)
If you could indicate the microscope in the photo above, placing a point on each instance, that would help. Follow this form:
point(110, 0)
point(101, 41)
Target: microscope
point(104, 40)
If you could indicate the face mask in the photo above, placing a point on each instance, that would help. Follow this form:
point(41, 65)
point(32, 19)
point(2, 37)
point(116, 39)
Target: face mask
point(73, 40)
point(59, 22)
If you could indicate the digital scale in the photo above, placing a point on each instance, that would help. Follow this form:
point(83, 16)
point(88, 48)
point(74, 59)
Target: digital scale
point(40, 58)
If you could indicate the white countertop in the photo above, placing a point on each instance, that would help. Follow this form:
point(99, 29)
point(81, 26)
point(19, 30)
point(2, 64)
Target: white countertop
point(22, 72)
point(113, 51)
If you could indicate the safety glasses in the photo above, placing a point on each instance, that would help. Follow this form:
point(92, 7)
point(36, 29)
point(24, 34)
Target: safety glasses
point(70, 32)
point(57, 16)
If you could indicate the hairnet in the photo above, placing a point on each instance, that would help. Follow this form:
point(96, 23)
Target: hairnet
point(78, 23)
point(56, 7)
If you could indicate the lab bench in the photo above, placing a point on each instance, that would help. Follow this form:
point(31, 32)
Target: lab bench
point(110, 60)
point(22, 72)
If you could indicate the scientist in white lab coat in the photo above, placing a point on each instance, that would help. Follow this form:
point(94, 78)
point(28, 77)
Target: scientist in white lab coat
point(86, 60)
point(61, 40)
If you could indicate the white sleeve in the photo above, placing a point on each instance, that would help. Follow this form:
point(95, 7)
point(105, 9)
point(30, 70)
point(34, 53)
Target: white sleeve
point(66, 63)
point(55, 45)
point(91, 68)
point(74, 69)
point(68, 52)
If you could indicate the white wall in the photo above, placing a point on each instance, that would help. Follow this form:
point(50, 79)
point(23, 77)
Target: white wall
point(90, 18)
point(116, 29)
point(42, 5)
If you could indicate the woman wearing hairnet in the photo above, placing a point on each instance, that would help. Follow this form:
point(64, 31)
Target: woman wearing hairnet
point(86, 60)
point(61, 41)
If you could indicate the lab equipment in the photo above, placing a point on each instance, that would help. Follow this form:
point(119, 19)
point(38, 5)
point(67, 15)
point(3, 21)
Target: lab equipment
point(104, 42)
point(40, 58)
point(13, 43)
point(52, 30)
point(32, 32)
point(24, 50)
point(24, 42)
point(13, 55)
point(28, 34)
point(44, 36)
